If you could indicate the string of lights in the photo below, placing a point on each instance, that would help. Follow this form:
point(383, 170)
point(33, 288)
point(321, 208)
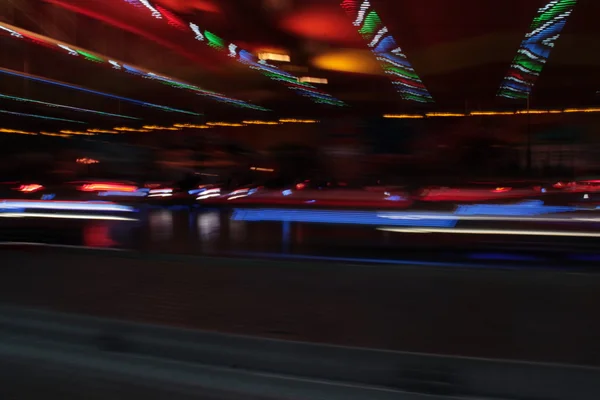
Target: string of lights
point(493, 113)
point(40, 79)
point(18, 33)
point(54, 105)
point(390, 56)
point(535, 49)
point(243, 56)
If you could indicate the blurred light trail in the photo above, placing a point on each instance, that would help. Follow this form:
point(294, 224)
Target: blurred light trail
point(54, 105)
point(66, 216)
point(492, 232)
point(95, 187)
point(248, 58)
point(535, 49)
point(120, 66)
point(83, 89)
point(390, 56)
point(146, 35)
point(63, 205)
point(340, 217)
point(493, 113)
point(20, 114)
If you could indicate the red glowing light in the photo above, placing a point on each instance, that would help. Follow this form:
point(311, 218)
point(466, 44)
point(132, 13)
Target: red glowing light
point(173, 20)
point(502, 190)
point(300, 186)
point(121, 25)
point(102, 187)
point(30, 188)
point(190, 5)
point(321, 23)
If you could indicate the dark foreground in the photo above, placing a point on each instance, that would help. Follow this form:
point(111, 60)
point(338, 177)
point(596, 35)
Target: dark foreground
point(527, 315)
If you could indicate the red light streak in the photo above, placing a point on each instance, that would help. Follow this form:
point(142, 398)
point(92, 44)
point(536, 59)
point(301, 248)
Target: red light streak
point(101, 187)
point(111, 21)
point(30, 188)
point(173, 20)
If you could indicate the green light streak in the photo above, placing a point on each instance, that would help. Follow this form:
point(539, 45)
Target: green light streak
point(89, 56)
point(372, 20)
point(214, 40)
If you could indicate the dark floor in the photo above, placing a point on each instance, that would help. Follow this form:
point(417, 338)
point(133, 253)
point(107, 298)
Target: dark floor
point(528, 315)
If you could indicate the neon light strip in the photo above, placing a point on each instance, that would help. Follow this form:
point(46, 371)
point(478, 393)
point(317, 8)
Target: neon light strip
point(19, 114)
point(82, 89)
point(65, 216)
point(245, 57)
point(43, 103)
point(120, 66)
point(386, 50)
point(492, 232)
point(340, 217)
point(535, 49)
point(63, 205)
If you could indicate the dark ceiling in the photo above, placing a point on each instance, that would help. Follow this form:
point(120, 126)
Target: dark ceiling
point(461, 50)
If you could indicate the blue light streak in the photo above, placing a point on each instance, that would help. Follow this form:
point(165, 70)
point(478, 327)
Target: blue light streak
point(82, 89)
point(373, 218)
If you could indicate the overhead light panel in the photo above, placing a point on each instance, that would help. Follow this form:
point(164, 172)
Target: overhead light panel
point(535, 49)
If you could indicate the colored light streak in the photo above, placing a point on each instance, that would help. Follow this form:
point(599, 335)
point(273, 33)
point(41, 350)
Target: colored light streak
point(582, 110)
point(117, 193)
point(260, 122)
point(123, 67)
point(492, 113)
point(5, 130)
point(65, 216)
point(246, 57)
point(103, 187)
point(62, 135)
point(95, 92)
point(229, 124)
point(63, 205)
point(20, 114)
point(298, 121)
point(30, 188)
point(126, 129)
point(87, 161)
point(337, 217)
point(191, 126)
point(62, 106)
point(535, 49)
point(494, 232)
point(274, 57)
point(404, 116)
point(102, 131)
point(260, 169)
point(390, 56)
point(80, 133)
point(160, 128)
point(312, 79)
point(444, 115)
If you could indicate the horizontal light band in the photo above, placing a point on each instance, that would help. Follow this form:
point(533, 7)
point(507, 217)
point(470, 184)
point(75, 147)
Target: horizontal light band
point(492, 232)
point(64, 205)
point(65, 216)
point(337, 217)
